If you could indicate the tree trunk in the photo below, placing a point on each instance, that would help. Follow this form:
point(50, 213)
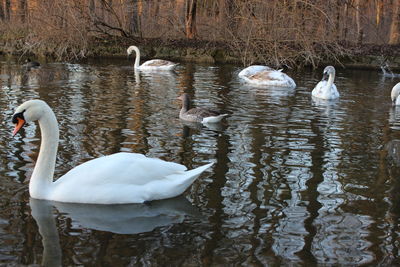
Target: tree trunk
point(22, 7)
point(134, 18)
point(190, 19)
point(379, 9)
point(395, 26)
point(358, 22)
point(345, 25)
point(2, 15)
point(8, 10)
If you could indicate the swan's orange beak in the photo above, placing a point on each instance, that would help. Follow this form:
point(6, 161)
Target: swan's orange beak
point(18, 125)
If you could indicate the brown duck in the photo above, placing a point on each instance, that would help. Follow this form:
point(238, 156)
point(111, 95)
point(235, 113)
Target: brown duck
point(201, 115)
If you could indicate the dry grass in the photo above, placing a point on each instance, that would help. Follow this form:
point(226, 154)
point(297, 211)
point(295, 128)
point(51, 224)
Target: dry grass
point(275, 32)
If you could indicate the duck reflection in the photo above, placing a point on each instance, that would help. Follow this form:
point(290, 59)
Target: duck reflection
point(197, 126)
point(120, 219)
point(393, 152)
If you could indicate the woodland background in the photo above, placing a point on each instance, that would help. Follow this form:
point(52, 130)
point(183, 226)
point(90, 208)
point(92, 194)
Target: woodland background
point(278, 32)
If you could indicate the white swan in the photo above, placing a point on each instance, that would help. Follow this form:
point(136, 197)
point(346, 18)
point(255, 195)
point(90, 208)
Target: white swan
point(117, 178)
point(326, 89)
point(266, 76)
point(251, 70)
point(395, 94)
point(154, 64)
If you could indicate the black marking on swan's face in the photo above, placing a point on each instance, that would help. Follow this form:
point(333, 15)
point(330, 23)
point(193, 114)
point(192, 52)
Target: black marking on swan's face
point(19, 121)
point(325, 75)
point(328, 71)
point(19, 115)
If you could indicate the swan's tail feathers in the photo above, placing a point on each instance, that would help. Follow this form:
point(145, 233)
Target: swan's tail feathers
point(214, 119)
point(185, 179)
point(177, 183)
point(196, 172)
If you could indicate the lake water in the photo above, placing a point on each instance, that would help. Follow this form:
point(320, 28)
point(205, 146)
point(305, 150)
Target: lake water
point(295, 181)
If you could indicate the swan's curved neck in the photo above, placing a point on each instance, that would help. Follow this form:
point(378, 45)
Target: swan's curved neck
point(331, 79)
point(137, 59)
point(42, 176)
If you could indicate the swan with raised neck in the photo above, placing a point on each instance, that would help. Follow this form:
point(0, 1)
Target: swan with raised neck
point(154, 64)
point(113, 179)
point(326, 89)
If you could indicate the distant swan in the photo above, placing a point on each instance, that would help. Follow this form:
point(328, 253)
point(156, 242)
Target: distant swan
point(326, 89)
point(201, 115)
point(266, 76)
point(395, 94)
point(387, 72)
point(31, 64)
point(117, 178)
point(155, 64)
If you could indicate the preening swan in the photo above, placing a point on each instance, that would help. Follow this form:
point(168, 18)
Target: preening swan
point(201, 115)
point(326, 89)
point(251, 70)
point(113, 179)
point(266, 76)
point(395, 94)
point(155, 64)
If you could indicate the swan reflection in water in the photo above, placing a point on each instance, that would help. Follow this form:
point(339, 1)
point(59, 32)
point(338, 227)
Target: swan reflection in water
point(119, 219)
point(394, 117)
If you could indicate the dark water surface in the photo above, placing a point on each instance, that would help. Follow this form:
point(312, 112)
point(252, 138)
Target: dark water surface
point(295, 181)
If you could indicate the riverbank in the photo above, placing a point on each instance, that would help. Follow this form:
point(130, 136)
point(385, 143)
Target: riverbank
point(350, 56)
point(200, 51)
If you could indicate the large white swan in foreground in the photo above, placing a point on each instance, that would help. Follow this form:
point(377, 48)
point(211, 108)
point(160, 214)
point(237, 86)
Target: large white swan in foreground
point(395, 95)
point(117, 178)
point(154, 64)
point(326, 89)
point(266, 76)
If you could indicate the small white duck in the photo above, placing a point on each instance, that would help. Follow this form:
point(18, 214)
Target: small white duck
point(326, 89)
point(259, 75)
point(154, 64)
point(395, 94)
point(200, 115)
point(114, 179)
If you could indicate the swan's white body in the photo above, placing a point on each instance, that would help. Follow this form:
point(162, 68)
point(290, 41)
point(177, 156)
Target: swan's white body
point(259, 75)
point(395, 95)
point(154, 64)
point(251, 70)
point(326, 89)
point(117, 178)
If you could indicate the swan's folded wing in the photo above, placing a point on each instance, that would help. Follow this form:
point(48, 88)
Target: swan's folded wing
point(121, 168)
point(157, 63)
point(251, 70)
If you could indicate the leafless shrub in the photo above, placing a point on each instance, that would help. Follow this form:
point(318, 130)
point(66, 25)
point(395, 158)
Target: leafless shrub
point(275, 32)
